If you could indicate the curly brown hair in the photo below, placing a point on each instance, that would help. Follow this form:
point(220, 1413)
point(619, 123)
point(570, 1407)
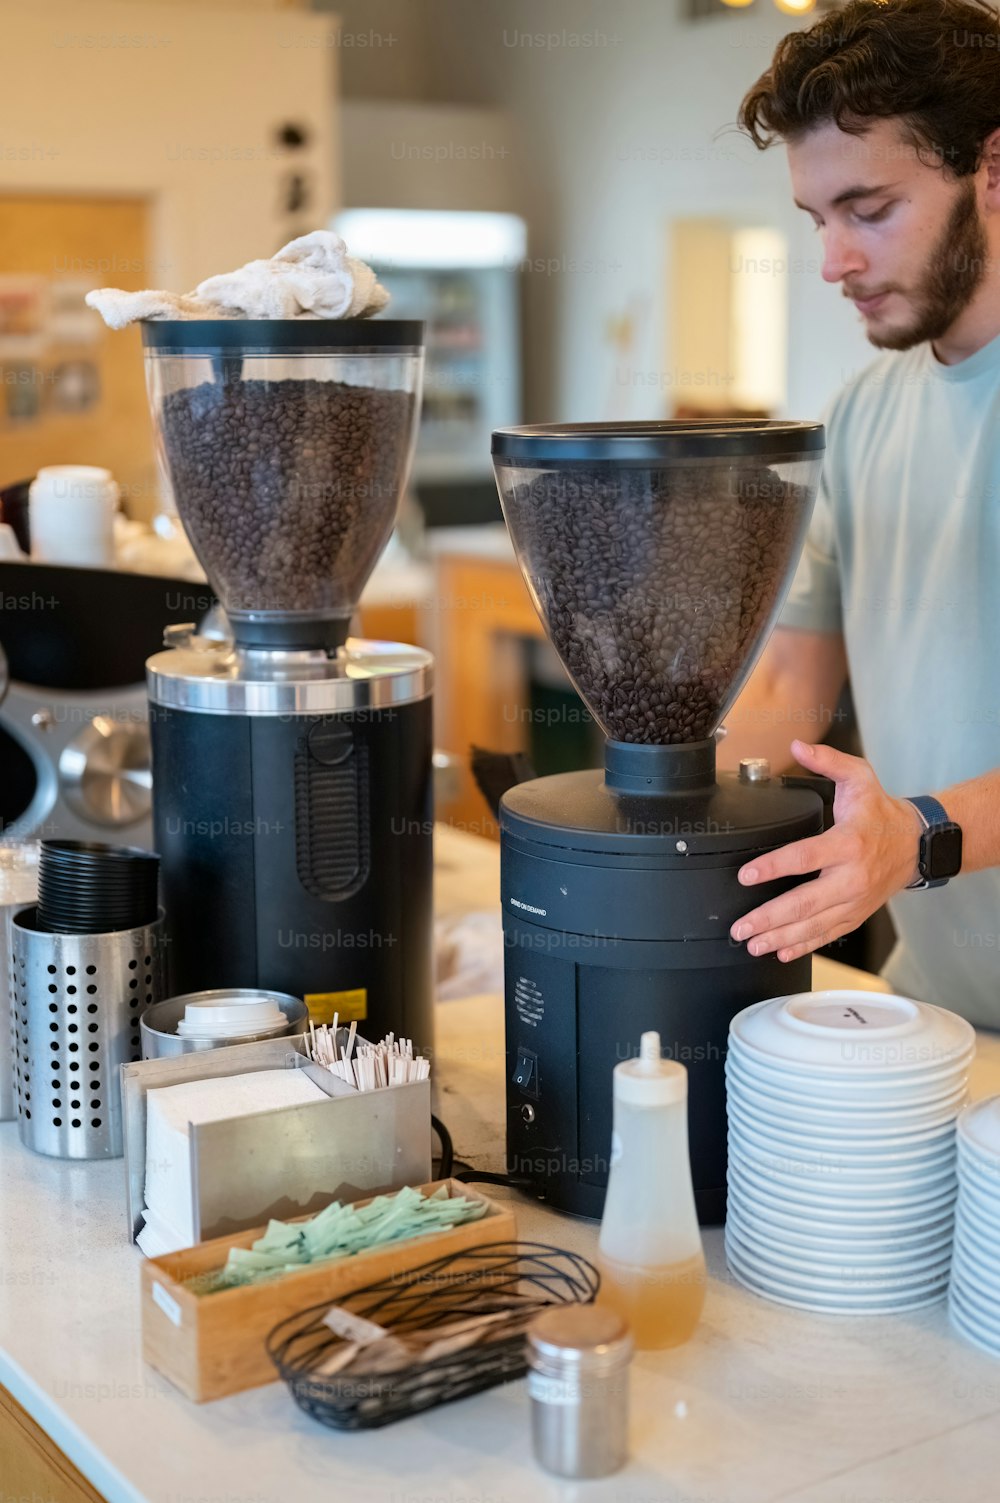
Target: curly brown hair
point(932, 64)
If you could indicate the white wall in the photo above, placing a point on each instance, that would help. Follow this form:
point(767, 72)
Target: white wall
point(426, 156)
point(608, 144)
point(175, 103)
point(611, 142)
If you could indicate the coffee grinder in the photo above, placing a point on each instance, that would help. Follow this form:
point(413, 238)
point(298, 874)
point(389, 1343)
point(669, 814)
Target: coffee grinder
point(657, 556)
point(292, 764)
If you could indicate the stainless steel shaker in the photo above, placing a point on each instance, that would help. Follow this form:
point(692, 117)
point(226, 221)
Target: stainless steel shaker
point(579, 1357)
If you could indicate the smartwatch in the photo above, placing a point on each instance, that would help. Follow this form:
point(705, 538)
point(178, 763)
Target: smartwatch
point(940, 855)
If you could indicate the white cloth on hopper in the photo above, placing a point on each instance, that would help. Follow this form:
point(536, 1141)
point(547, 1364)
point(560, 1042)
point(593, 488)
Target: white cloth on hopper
point(310, 277)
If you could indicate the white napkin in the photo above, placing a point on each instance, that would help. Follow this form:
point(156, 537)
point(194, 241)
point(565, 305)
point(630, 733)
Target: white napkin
point(310, 277)
point(170, 1113)
point(157, 1238)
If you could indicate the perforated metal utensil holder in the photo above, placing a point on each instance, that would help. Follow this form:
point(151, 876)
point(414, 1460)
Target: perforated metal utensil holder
point(76, 1001)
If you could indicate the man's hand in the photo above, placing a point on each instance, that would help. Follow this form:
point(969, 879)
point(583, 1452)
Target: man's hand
point(868, 855)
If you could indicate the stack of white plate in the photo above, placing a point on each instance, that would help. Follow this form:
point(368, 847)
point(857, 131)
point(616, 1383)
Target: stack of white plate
point(974, 1297)
point(842, 1182)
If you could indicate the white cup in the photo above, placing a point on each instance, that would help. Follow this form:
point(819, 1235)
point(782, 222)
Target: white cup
point(71, 515)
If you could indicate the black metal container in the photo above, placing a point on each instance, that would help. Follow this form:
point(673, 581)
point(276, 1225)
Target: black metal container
point(293, 812)
point(617, 907)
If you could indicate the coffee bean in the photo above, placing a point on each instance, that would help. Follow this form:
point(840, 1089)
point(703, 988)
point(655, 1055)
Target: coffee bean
point(288, 489)
point(656, 629)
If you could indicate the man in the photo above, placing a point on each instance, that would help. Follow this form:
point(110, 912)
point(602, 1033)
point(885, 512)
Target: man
point(891, 117)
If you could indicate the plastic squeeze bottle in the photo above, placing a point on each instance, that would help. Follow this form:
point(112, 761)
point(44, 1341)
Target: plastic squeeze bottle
point(649, 1255)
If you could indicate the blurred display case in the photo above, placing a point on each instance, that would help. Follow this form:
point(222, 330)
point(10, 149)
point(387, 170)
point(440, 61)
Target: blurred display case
point(460, 273)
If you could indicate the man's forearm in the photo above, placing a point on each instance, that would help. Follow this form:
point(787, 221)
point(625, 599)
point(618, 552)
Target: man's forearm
point(975, 805)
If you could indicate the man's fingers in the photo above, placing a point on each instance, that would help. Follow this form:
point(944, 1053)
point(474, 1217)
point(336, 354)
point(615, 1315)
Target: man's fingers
point(795, 860)
point(789, 941)
point(830, 763)
point(798, 906)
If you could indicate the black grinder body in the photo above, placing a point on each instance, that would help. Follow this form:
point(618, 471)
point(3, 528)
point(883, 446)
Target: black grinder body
point(297, 855)
point(617, 907)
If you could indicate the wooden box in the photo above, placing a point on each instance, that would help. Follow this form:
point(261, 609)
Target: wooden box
point(212, 1345)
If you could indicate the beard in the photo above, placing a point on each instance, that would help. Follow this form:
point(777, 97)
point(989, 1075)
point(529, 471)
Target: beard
point(954, 271)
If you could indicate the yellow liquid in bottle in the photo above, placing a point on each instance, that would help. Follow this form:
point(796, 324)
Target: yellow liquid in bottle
point(661, 1302)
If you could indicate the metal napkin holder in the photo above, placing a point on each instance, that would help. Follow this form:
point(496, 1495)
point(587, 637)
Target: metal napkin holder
point(286, 1161)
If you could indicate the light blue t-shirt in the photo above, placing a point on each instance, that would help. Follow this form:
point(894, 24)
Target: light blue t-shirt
point(903, 556)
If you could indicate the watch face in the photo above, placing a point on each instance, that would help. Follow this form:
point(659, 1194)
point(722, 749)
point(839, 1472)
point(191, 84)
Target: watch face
point(945, 851)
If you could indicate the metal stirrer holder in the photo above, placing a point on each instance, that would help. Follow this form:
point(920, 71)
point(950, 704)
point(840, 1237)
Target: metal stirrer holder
point(76, 1001)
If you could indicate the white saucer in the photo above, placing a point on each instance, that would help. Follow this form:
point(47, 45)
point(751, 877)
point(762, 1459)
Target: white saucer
point(793, 1168)
point(842, 1189)
point(803, 1279)
point(849, 1104)
point(818, 1233)
point(976, 1268)
point(855, 1086)
point(985, 1171)
point(838, 1185)
point(977, 1206)
point(803, 1109)
point(974, 1312)
point(979, 1130)
point(970, 1333)
point(830, 1207)
point(975, 1304)
point(830, 1149)
point(853, 1032)
point(851, 1138)
point(837, 1290)
point(984, 1241)
point(851, 1304)
point(809, 1222)
point(832, 1141)
point(883, 1259)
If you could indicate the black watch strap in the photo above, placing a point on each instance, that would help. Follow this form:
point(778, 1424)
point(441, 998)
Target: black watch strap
point(936, 822)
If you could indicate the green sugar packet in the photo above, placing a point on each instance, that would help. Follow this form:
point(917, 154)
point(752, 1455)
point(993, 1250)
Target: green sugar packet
point(338, 1231)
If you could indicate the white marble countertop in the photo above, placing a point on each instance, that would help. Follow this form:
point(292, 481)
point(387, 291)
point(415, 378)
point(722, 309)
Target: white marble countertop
point(764, 1404)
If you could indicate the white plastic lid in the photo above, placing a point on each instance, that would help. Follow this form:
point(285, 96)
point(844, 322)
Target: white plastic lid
point(234, 1011)
point(69, 482)
point(222, 1031)
point(238, 1016)
point(650, 1080)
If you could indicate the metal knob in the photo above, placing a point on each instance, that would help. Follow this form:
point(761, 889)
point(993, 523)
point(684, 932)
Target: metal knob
point(178, 634)
point(755, 770)
point(105, 772)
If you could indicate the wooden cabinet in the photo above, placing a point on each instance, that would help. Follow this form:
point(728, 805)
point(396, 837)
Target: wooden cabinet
point(71, 390)
point(483, 613)
point(32, 1465)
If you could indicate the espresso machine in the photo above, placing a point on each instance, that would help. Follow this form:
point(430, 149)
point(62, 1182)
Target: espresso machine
point(74, 737)
point(658, 556)
point(292, 763)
